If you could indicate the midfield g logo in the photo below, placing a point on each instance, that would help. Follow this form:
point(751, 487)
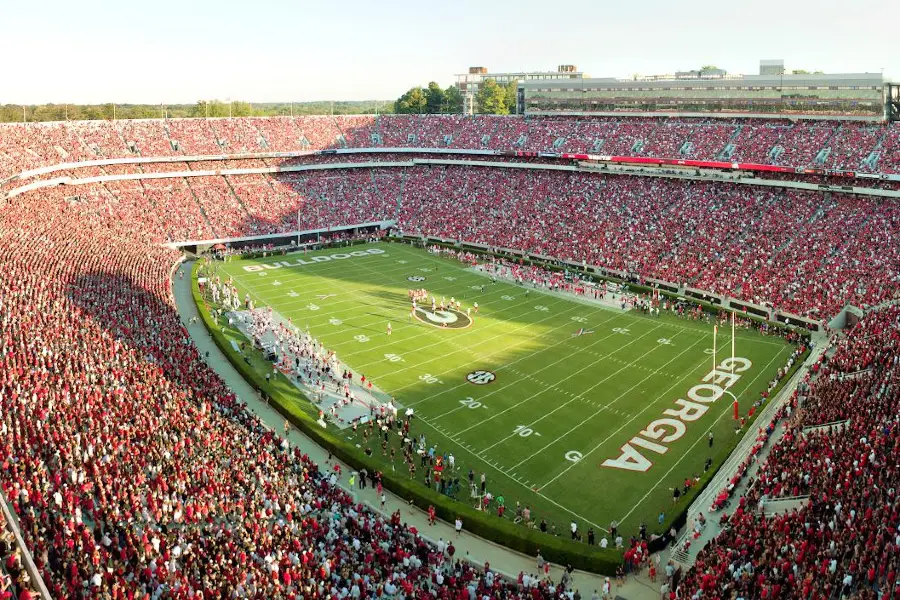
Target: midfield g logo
point(449, 318)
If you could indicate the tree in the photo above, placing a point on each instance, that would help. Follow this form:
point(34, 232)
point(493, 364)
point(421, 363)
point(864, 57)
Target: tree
point(412, 102)
point(512, 92)
point(454, 99)
point(708, 68)
point(241, 109)
point(434, 99)
point(202, 108)
point(800, 72)
point(210, 108)
point(491, 98)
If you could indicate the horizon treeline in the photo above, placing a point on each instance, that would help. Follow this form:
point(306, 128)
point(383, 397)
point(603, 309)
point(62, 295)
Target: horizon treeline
point(10, 113)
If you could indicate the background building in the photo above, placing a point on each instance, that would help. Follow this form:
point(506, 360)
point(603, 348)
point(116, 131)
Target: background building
point(770, 93)
point(469, 82)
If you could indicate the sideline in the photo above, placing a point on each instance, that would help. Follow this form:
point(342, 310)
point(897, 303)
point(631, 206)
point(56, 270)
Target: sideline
point(470, 547)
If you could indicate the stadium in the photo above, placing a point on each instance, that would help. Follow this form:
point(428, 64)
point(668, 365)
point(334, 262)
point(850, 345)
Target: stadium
point(639, 340)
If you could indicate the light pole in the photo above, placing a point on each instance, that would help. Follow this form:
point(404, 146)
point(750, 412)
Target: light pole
point(298, 227)
point(781, 88)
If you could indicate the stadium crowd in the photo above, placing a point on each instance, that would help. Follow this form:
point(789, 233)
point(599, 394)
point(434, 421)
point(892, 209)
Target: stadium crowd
point(738, 241)
point(863, 147)
point(786, 249)
point(15, 583)
point(134, 471)
point(791, 250)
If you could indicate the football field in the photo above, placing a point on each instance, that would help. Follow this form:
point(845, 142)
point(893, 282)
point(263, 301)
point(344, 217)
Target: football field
point(580, 411)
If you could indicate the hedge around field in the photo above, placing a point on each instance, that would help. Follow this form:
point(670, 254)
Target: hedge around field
point(501, 531)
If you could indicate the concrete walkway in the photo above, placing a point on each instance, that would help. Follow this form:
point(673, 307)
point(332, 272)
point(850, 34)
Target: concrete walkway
point(473, 548)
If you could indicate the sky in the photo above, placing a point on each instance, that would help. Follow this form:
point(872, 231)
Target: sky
point(171, 52)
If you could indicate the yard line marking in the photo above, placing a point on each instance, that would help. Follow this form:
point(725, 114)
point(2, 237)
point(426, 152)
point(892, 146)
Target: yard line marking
point(445, 341)
point(508, 365)
point(529, 489)
point(602, 408)
point(366, 287)
point(294, 272)
point(286, 307)
point(492, 354)
point(506, 386)
point(359, 367)
point(582, 394)
point(586, 300)
point(646, 408)
point(440, 342)
point(700, 438)
point(571, 375)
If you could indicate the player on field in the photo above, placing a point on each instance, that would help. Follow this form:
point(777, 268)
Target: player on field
point(389, 328)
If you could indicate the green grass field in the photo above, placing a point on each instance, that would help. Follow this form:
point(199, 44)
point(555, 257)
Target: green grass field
point(559, 405)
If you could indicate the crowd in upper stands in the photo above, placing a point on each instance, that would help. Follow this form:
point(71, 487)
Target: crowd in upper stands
point(863, 147)
point(135, 473)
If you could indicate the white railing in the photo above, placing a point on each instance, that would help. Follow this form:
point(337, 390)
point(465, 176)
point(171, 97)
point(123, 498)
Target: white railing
point(834, 426)
point(27, 560)
point(775, 506)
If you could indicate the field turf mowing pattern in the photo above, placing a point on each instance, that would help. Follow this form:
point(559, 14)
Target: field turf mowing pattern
point(554, 395)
